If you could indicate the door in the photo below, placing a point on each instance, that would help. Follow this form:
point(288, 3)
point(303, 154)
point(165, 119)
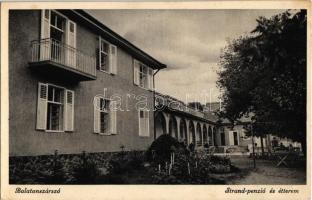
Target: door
point(235, 135)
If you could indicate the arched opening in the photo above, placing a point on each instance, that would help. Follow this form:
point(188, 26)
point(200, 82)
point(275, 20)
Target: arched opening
point(205, 134)
point(210, 142)
point(192, 133)
point(173, 130)
point(183, 134)
point(215, 139)
point(198, 135)
point(222, 137)
point(160, 124)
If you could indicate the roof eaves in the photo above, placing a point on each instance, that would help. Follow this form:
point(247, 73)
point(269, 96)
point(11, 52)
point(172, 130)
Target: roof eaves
point(135, 50)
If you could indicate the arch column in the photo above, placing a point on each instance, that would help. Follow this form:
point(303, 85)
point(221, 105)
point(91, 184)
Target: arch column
point(202, 133)
point(207, 133)
point(212, 136)
point(167, 118)
point(187, 123)
point(178, 126)
point(195, 131)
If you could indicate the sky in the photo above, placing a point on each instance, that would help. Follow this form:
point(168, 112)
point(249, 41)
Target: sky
point(189, 42)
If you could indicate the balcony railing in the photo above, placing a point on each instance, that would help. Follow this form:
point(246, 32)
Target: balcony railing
point(57, 52)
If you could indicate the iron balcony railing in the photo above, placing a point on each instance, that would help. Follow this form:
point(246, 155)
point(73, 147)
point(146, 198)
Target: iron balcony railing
point(53, 50)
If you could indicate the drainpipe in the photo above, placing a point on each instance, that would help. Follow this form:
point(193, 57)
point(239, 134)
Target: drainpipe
point(154, 98)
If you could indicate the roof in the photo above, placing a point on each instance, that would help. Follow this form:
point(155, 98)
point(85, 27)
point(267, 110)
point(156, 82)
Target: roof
point(115, 38)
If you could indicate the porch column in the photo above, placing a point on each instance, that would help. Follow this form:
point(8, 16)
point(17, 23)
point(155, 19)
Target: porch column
point(187, 123)
point(167, 117)
point(202, 133)
point(195, 131)
point(207, 131)
point(178, 127)
point(212, 136)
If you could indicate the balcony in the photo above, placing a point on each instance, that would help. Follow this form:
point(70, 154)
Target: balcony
point(57, 59)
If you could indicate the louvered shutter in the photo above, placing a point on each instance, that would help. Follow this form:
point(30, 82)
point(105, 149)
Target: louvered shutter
point(113, 118)
point(144, 123)
point(97, 105)
point(150, 79)
point(71, 42)
point(45, 35)
point(42, 106)
point(99, 53)
point(136, 72)
point(113, 59)
point(146, 118)
point(69, 110)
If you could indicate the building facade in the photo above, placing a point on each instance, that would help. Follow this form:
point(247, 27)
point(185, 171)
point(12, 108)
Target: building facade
point(67, 74)
point(75, 85)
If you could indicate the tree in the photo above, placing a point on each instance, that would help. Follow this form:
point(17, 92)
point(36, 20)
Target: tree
point(196, 105)
point(264, 73)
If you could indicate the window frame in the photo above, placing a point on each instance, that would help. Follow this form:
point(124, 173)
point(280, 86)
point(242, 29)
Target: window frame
point(107, 54)
point(62, 104)
point(108, 113)
point(146, 75)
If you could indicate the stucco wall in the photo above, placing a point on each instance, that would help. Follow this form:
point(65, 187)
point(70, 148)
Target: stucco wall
point(25, 140)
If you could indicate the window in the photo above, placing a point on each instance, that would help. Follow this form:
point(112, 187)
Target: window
point(104, 116)
point(104, 56)
point(55, 108)
point(144, 123)
point(107, 61)
point(143, 75)
point(57, 28)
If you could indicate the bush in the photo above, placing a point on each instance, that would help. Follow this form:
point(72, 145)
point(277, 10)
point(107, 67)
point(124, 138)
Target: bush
point(84, 170)
point(37, 170)
point(161, 148)
point(192, 169)
point(126, 162)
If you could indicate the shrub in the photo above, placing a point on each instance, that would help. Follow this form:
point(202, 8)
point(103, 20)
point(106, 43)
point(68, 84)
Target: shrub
point(192, 169)
point(126, 162)
point(85, 170)
point(161, 148)
point(37, 170)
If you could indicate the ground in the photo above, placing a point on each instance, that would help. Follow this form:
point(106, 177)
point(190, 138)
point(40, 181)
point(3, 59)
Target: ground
point(266, 172)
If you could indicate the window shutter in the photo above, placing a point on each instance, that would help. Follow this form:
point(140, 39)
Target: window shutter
point(45, 24)
point(42, 106)
point(99, 54)
point(113, 59)
point(113, 118)
point(136, 72)
point(96, 105)
point(69, 110)
point(144, 123)
point(147, 129)
point(71, 42)
point(45, 34)
point(150, 79)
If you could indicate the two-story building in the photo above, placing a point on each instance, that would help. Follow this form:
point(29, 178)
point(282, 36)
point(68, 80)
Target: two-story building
point(65, 67)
